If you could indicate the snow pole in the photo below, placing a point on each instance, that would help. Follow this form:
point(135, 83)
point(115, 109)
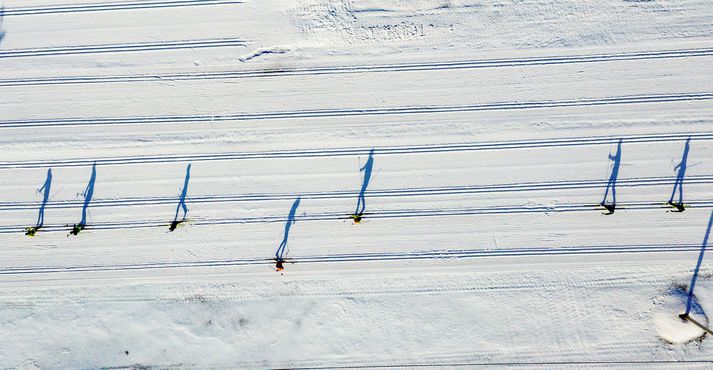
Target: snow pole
point(45, 190)
point(611, 184)
point(88, 193)
point(182, 201)
point(681, 167)
point(281, 249)
point(361, 200)
point(698, 268)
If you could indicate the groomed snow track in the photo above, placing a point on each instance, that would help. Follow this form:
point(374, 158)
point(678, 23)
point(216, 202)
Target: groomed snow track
point(493, 128)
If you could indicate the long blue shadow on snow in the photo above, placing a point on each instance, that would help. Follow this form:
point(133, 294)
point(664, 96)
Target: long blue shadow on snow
point(689, 304)
point(281, 249)
point(182, 201)
point(611, 185)
point(88, 193)
point(681, 167)
point(45, 190)
point(2, 17)
point(361, 201)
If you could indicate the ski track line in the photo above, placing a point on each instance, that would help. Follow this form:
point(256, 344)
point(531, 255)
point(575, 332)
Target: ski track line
point(383, 214)
point(341, 288)
point(342, 152)
point(355, 112)
point(326, 70)
point(346, 194)
point(366, 257)
point(666, 364)
point(115, 48)
point(108, 6)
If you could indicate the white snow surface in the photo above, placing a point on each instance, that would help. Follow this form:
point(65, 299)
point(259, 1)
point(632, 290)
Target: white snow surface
point(482, 244)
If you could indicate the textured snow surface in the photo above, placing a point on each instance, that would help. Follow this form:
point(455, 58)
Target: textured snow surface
point(482, 243)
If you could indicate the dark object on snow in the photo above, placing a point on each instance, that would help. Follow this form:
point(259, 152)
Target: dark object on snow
point(610, 207)
point(31, 231)
point(685, 316)
point(174, 224)
point(679, 206)
point(76, 229)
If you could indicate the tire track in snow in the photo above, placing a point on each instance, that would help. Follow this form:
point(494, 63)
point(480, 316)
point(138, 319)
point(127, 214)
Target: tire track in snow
point(365, 257)
point(379, 214)
point(108, 6)
point(357, 112)
point(119, 48)
point(348, 194)
point(327, 70)
point(384, 150)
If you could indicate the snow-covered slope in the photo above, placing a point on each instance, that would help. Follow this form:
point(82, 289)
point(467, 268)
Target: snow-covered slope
point(491, 123)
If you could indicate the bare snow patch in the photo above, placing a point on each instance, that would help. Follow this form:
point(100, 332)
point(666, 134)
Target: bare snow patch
point(365, 22)
point(669, 325)
point(509, 23)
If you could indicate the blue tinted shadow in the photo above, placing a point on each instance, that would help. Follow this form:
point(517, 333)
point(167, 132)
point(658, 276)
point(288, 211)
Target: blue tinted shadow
point(611, 184)
point(45, 190)
point(681, 167)
point(280, 252)
point(689, 304)
point(182, 201)
point(361, 201)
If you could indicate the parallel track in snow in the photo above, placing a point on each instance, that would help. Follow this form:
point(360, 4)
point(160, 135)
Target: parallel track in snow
point(347, 194)
point(343, 152)
point(109, 6)
point(353, 69)
point(378, 214)
point(365, 257)
point(355, 112)
point(120, 48)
